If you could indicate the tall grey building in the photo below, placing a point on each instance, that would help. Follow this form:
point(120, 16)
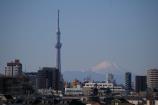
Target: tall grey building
point(152, 78)
point(140, 83)
point(47, 78)
point(128, 81)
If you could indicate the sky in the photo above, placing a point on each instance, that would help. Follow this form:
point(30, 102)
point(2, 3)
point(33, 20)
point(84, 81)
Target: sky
point(93, 32)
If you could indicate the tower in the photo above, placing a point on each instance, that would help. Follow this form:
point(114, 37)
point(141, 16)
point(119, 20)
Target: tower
point(58, 59)
point(58, 47)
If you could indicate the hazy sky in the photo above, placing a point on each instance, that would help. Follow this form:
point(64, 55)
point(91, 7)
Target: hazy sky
point(124, 32)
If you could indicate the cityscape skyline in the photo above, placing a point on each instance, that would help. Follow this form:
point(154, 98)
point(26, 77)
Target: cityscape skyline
point(98, 36)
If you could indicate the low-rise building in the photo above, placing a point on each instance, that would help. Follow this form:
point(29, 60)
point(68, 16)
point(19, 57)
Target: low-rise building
point(15, 86)
point(87, 91)
point(102, 88)
point(74, 91)
point(99, 85)
point(118, 89)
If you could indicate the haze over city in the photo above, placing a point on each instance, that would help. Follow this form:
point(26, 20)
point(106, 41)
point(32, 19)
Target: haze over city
point(96, 35)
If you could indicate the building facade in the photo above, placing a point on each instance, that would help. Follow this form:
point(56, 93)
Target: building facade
point(13, 68)
point(152, 78)
point(32, 78)
point(140, 83)
point(47, 78)
point(128, 81)
point(15, 86)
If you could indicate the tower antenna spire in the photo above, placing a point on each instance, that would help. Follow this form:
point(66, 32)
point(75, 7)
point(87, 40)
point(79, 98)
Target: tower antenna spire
point(58, 20)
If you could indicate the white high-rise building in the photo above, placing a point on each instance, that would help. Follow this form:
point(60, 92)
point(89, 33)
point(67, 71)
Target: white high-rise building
point(152, 78)
point(13, 69)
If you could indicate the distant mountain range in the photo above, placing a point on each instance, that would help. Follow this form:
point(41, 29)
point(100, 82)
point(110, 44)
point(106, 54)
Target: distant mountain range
point(97, 73)
point(82, 75)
